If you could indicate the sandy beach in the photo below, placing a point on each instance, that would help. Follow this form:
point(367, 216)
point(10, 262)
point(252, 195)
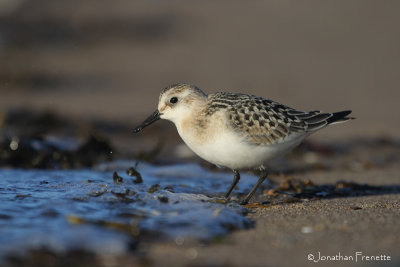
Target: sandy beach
point(98, 60)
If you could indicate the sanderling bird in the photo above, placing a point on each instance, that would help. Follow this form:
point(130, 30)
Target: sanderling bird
point(237, 131)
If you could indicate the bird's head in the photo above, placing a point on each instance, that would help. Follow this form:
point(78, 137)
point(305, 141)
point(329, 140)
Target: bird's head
point(175, 102)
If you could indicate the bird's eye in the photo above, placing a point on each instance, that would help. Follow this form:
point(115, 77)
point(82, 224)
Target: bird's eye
point(173, 100)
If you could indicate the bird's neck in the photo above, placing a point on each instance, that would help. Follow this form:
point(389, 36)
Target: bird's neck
point(192, 126)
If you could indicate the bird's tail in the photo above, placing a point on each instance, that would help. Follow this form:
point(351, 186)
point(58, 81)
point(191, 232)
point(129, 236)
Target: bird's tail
point(338, 117)
point(316, 120)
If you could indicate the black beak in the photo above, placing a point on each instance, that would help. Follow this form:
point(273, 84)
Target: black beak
point(155, 116)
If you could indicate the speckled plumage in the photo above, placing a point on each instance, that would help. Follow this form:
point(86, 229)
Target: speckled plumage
point(237, 131)
point(265, 121)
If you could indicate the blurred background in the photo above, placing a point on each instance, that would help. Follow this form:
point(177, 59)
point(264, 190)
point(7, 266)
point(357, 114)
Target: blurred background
point(76, 77)
point(108, 60)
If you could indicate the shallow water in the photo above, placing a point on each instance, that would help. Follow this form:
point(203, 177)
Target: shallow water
point(86, 209)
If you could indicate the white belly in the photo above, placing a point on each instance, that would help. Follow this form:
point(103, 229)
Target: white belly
point(227, 149)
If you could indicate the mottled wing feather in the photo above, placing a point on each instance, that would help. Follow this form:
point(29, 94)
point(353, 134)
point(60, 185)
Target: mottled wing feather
point(263, 121)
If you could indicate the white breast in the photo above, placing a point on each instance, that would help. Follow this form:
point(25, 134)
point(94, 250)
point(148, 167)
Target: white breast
point(225, 147)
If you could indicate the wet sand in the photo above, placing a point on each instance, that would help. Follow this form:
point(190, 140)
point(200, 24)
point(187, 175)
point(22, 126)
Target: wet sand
point(108, 61)
point(286, 234)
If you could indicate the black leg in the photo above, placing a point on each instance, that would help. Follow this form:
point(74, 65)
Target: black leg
point(236, 179)
point(264, 175)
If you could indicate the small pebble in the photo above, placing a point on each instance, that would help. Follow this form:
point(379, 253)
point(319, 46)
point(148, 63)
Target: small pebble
point(163, 199)
point(117, 179)
point(133, 172)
